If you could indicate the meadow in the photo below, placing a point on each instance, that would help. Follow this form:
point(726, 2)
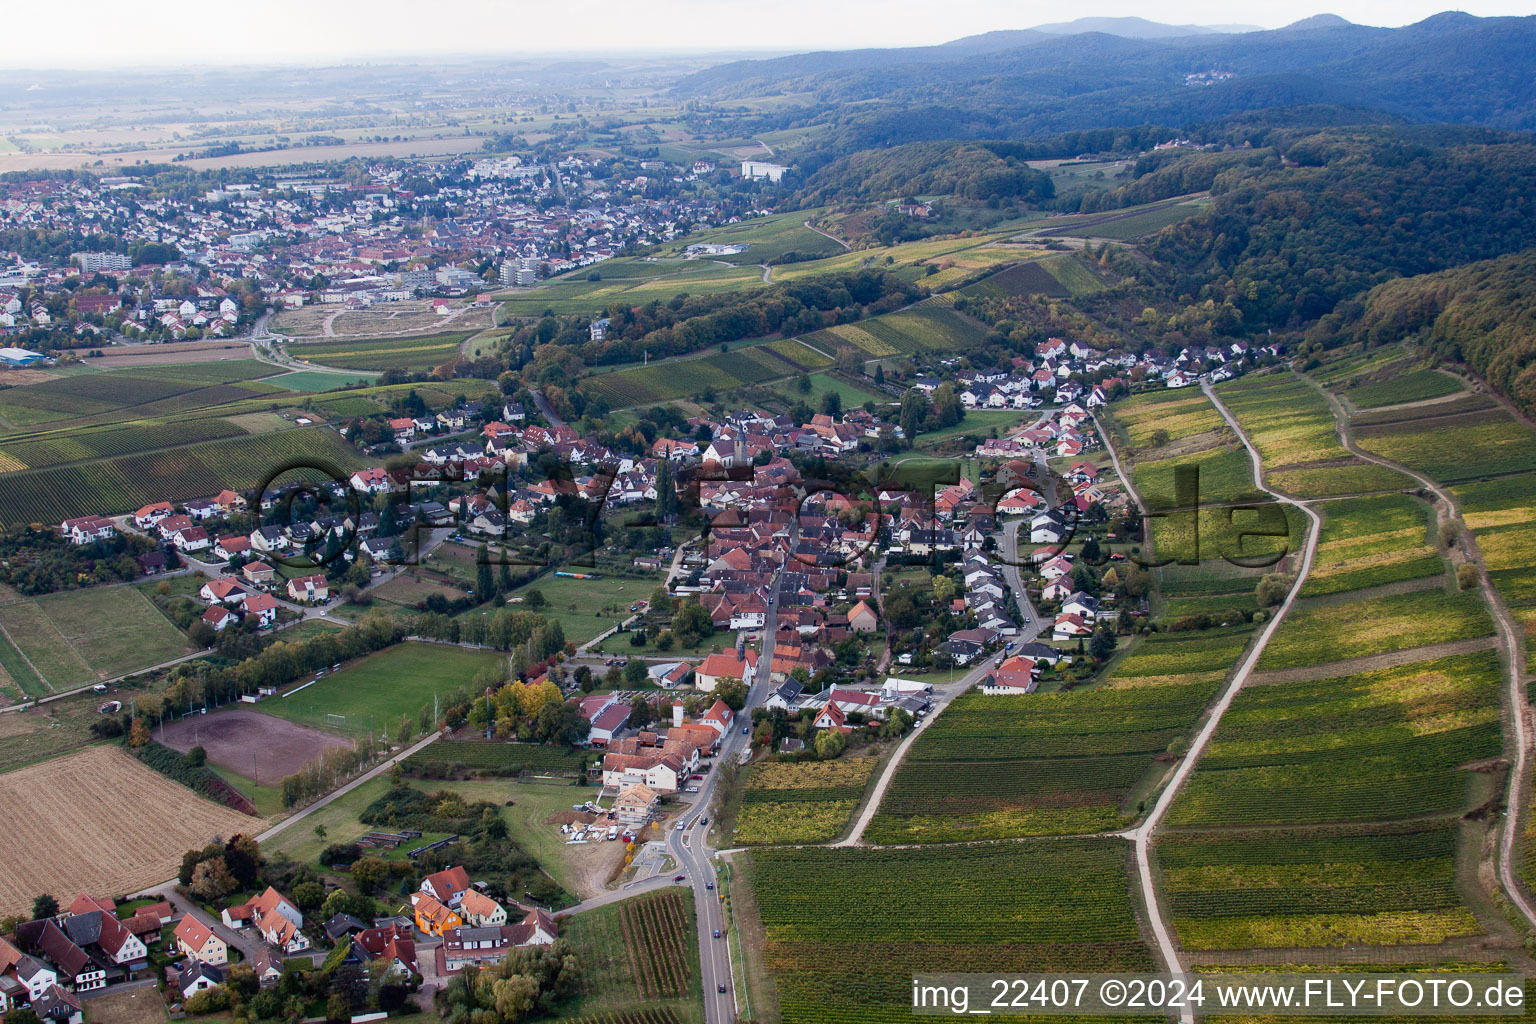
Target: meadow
point(839, 923)
point(1048, 763)
point(1375, 746)
point(810, 802)
point(382, 687)
point(1366, 542)
point(317, 380)
point(1320, 631)
point(1383, 886)
point(822, 384)
point(75, 637)
point(767, 238)
point(585, 608)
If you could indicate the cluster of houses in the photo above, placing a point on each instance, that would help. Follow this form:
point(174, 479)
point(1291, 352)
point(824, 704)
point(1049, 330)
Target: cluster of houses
point(312, 236)
point(474, 929)
point(82, 949)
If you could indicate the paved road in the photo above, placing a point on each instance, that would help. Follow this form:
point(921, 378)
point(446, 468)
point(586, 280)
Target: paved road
point(1143, 836)
point(1030, 625)
point(546, 410)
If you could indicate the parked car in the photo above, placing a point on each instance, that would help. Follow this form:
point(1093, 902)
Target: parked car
point(691, 789)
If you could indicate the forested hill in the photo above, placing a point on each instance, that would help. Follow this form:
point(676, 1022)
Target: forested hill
point(1483, 314)
point(1350, 208)
point(1451, 68)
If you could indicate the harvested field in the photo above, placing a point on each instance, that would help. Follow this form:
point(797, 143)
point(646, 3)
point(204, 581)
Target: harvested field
point(90, 836)
point(248, 742)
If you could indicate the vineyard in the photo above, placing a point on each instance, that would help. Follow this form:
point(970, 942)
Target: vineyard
point(1366, 542)
point(808, 802)
point(810, 358)
point(1182, 413)
point(422, 352)
point(1501, 514)
point(197, 470)
point(1020, 279)
point(1375, 746)
point(109, 442)
point(1454, 448)
point(477, 755)
point(1048, 763)
point(656, 931)
point(929, 325)
point(1290, 423)
point(848, 928)
point(1414, 386)
point(682, 378)
point(1315, 633)
point(1181, 657)
point(1384, 886)
point(632, 1017)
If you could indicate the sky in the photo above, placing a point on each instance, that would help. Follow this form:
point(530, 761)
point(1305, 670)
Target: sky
point(197, 32)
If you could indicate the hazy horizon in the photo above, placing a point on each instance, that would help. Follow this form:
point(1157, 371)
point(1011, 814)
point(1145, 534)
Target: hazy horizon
point(180, 34)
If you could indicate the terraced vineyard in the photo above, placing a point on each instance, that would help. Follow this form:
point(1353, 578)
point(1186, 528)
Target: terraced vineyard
point(681, 378)
point(930, 325)
point(848, 928)
point(1383, 886)
point(196, 470)
point(1413, 386)
point(809, 802)
point(1182, 413)
point(1206, 656)
point(1044, 764)
point(1366, 542)
point(1455, 447)
point(106, 442)
point(1375, 746)
point(421, 352)
point(1502, 516)
point(1291, 425)
point(1318, 632)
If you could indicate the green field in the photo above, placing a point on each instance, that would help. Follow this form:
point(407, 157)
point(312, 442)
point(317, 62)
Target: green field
point(808, 802)
point(1322, 631)
point(1042, 764)
point(1366, 542)
point(631, 282)
point(846, 929)
point(585, 608)
point(197, 470)
point(501, 756)
point(1455, 448)
point(316, 380)
point(823, 383)
point(1385, 886)
point(79, 636)
point(1375, 746)
point(422, 352)
point(1136, 225)
point(795, 352)
point(382, 687)
point(767, 239)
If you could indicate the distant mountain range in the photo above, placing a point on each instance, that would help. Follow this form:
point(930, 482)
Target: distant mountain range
point(1111, 72)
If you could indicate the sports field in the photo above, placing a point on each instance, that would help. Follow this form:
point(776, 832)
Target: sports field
point(380, 688)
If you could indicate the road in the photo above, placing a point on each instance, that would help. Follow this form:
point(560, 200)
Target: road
point(546, 410)
point(690, 845)
point(1143, 835)
point(1030, 626)
point(824, 234)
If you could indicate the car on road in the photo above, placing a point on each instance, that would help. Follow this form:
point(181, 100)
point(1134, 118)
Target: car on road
point(679, 878)
point(709, 885)
point(717, 933)
point(746, 729)
point(720, 987)
point(696, 776)
point(704, 820)
point(680, 826)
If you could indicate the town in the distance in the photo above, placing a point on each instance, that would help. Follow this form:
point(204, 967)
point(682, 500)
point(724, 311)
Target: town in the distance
point(699, 538)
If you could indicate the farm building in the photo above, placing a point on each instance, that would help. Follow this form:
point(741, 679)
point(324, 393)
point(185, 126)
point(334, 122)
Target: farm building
point(19, 357)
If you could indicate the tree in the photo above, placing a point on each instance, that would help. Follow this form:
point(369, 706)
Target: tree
point(197, 757)
point(914, 410)
point(691, 622)
point(212, 879)
point(829, 744)
point(485, 579)
point(1450, 532)
point(1272, 589)
point(308, 895)
point(943, 589)
point(1466, 576)
point(368, 873)
point(337, 1009)
point(533, 597)
point(946, 405)
point(635, 672)
point(641, 711)
point(138, 734)
point(44, 906)
point(667, 505)
point(1103, 643)
point(832, 404)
